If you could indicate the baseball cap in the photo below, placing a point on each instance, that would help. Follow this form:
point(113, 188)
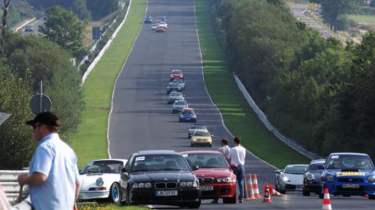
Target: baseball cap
point(45, 118)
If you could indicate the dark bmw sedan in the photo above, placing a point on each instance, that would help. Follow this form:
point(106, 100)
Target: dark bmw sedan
point(159, 177)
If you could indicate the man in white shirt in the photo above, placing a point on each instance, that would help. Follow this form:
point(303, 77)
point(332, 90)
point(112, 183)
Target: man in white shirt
point(237, 162)
point(225, 149)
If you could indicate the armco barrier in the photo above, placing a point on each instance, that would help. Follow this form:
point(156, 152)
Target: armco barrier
point(263, 118)
point(9, 183)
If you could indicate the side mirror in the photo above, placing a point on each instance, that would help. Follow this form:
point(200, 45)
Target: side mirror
point(123, 170)
point(278, 171)
point(81, 171)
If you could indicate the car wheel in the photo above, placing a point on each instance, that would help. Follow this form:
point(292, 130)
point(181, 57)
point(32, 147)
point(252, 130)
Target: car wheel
point(115, 195)
point(371, 197)
point(305, 192)
point(118, 201)
point(230, 200)
point(192, 145)
point(195, 205)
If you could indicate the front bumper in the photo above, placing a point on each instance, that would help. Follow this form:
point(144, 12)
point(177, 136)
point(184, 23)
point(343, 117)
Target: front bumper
point(148, 196)
point(350, 186)
point(88, 195)
point(312, 186)
point(219, 190)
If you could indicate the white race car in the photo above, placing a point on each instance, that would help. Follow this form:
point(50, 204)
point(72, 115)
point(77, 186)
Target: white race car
point(100, 179)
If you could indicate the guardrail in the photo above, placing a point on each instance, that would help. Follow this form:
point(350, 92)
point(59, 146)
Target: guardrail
point(9, 183)
point(263, 118)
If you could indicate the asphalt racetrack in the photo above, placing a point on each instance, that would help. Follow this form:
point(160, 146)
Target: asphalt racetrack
point(141, 118)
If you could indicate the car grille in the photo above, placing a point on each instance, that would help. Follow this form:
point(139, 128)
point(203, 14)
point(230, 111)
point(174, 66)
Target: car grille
point(165, 185)
point(350, 180)
point(206, 180)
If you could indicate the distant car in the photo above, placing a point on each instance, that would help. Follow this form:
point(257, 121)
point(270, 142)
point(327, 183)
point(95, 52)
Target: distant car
point(176, 74)
point(179, 82)
point(154, 26)
point(175, 86)
point(161, 28)
point(201, 138)
point(311, 178)
point(179, 105)
point(175, 95)
point(196, 127)
point(100, 179)
point(148, 19)
point(216, 178)
point(349, 174)
point(291, 178)
point(159, 177)
point(187, 115)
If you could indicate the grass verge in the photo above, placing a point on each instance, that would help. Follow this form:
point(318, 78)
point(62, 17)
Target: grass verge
point(237, 114)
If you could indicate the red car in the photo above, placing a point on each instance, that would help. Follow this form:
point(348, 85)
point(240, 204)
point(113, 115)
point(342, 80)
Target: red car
point(176, 74)
point(216, 178)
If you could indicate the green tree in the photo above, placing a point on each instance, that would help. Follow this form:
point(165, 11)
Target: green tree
point(16, 142)
point(64, 28)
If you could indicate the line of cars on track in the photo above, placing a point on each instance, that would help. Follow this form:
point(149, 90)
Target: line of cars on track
point(198, 134)
point(343, 174)
point(160, 177)
point(160, 25)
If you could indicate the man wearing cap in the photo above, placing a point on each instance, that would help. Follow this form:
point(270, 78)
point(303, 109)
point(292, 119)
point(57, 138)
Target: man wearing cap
point(53, 177)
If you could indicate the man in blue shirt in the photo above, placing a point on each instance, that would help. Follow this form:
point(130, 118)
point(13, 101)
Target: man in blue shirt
point(53, 178)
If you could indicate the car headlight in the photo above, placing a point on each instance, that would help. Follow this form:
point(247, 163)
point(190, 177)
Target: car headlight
point(310, 176)
point(285, 178)
point(99, 181)
point(226, 180)
point(142, 185)
point(371, 178)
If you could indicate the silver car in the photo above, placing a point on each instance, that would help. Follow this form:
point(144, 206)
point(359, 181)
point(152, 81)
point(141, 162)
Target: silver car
point(179, 105)
point(290, 178)
point(173, 96)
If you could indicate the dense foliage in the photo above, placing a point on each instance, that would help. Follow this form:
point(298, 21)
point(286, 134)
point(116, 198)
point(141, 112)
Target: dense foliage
point(315, 90)
point(65, 29)
point(27, 61)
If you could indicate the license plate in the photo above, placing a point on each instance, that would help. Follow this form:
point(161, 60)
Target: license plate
point(207, 188)
point(350, 186)
point(167, 193)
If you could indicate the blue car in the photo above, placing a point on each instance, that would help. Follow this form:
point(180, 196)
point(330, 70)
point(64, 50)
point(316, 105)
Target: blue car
point(187, 115)
point(349, 174)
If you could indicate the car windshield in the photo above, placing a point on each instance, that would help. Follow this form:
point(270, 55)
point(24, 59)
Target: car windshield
point(316, 167)
point(356, 162)
point(187, 112)
point(201, 133)
point(198, 127)
point(160, 163)
point(206, 160)
point(295, 169)
point(104, 167)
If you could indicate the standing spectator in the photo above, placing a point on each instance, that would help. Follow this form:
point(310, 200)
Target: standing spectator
point(53, 175)
point(237, 161)
point(225, 149)
point(4, 203)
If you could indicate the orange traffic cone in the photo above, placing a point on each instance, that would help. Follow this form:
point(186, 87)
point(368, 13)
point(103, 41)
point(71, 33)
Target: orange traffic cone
point(326, 200)
point(249, 188)
point(255, 186)
point(267, 194)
